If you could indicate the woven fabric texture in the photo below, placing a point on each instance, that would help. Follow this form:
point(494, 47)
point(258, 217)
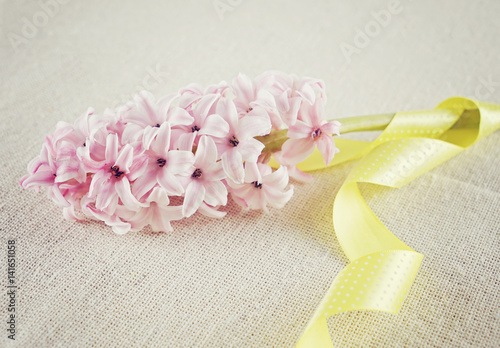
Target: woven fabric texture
point(250, 279)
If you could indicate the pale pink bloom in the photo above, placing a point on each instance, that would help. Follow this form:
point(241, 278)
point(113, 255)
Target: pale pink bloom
point(204, 184)
point(164, 166)
point(145, 116)
point(62, 146)
point(262, 188)
point(68, 165)
point(82, 129)
point(307, 133)
point(239, 144)
point(111, 182)
point(121, 167)
point(158, 214)
point(58, 166)
point(113, 220)
point(42, 171)
point(290, 92)
point(293, 171)
point(287, 103)
point(250, 95)
point(191, 94)
point(210, 211)
point(205, 123)
point(92, 153)
point(74, 192)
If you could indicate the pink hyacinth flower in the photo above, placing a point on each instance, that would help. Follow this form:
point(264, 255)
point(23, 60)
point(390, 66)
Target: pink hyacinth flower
point(205, 123)
point(145, 116)
point(251, 95)
point(204, 184)
point(43, 171)
point(192, 93)
point(262, 187)
point(240, 145)
point(158, 214)
point(310, 132)
point(111, 182)
point(163, 166)
point(290, 92)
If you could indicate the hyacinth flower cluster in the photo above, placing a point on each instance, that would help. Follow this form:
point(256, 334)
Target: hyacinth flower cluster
point(151, 162)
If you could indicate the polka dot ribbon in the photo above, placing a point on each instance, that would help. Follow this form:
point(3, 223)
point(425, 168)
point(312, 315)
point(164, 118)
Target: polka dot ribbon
point(382, 267)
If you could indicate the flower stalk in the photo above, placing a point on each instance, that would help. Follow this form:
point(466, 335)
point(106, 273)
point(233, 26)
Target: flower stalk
point(275, 140)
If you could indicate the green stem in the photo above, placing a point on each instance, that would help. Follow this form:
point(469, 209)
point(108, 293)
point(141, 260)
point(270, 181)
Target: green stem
point(275, 140)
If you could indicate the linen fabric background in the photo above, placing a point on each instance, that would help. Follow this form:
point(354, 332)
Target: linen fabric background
point(250, 279)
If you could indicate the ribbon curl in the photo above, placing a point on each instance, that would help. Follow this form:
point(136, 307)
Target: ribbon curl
point(382, 267)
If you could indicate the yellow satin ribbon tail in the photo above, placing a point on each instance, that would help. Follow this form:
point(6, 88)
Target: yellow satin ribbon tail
point(382, 267)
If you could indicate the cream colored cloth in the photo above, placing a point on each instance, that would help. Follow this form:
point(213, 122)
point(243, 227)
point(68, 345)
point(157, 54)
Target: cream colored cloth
point(250, 279)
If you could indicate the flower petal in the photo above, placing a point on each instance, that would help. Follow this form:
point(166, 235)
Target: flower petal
point(215, 171)
point(296, 174)
point(162, 216)
point(105, 198)
point(307, 93)
point(169, 182)
point(278, 198)
point(299, 130)
point(147, 106)
point(144, 183)
point(195, 193)
point(57, 196)
point(111, 148)
point(211, 211)
point(180, 162)
point(332, 127)
point(327, 148)
point(317, 113)
point(138, 167)
point(179, 117)
point(148, 135)
point(163, 105)
point(252, 126)
point(125, 158)
point(161, 144)
point(98, 179)
point(290, 116)
point(296, 150)
point(186, 141)
point(250, 149)
point(227, 109)
point(232, 162)
point(252, 172)
point(216, 193)
point(203, 106)
point(282, 101)
point(277, 179)
point(118, 226)
point(215, 126)
point(42, 177)
point(243, 88)
point(122, 187)
point(159, 196)
point(206, 154)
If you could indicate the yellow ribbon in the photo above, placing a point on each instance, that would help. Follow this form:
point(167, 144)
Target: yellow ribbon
point(382, 267)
